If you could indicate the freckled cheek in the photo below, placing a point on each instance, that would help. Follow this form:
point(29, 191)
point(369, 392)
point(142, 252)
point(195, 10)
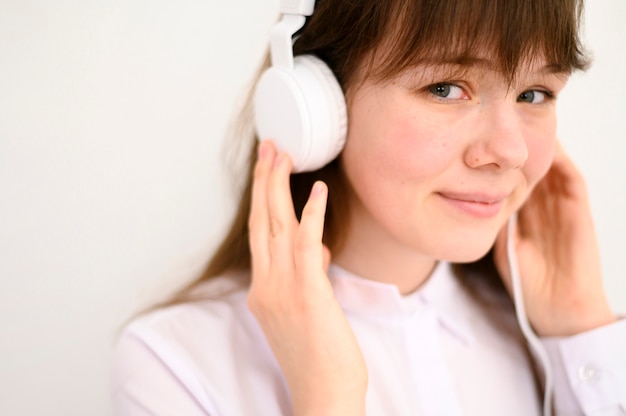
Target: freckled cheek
point(410, 151)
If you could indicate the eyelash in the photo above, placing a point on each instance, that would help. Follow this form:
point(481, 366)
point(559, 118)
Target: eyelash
point(548, 95)
point(429, 89)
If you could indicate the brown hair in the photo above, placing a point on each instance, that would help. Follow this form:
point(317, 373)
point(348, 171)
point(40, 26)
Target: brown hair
point(348, 35)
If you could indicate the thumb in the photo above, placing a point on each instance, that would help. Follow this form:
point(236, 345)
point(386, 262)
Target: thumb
point(326, 256)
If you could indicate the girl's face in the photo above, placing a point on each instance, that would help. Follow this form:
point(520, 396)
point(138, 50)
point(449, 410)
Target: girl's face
point(440, 156)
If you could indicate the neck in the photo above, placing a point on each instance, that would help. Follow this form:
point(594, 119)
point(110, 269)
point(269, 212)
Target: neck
point(380, 257)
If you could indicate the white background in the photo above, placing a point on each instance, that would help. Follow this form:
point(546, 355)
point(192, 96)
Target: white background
point(111, 183)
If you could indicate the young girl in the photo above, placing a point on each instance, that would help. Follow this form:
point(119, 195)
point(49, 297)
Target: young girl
point(381, 282)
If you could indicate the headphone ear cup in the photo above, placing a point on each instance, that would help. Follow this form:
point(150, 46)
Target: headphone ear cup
point(303, 110)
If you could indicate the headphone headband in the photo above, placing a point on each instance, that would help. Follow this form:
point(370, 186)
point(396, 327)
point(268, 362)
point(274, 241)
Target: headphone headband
point(294, 14)
point(298, 7)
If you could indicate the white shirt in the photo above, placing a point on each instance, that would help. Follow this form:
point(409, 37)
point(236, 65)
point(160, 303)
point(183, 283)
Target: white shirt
point(433, 352)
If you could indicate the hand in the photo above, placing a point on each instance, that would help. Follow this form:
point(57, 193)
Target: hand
point(558, 255)
point(293, 300)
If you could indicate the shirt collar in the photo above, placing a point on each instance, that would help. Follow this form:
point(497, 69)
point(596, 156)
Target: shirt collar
point(441, 294)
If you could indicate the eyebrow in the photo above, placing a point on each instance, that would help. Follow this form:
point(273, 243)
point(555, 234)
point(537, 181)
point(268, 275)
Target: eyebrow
point(463, 63)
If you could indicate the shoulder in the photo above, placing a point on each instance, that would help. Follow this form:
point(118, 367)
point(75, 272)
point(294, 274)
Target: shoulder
point(219, 308)
point(214, 303)
point(186, 349)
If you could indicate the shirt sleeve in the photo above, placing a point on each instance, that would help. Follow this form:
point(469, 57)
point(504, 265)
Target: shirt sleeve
point(590, 371)
point(142, 383)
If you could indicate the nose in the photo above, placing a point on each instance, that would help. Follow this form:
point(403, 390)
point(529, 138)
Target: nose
point(499, 141)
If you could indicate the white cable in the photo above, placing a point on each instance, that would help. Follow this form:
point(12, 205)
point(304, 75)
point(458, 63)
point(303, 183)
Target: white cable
point(522, 319)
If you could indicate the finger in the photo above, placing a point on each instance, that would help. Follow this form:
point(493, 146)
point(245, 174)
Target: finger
point(258, 223)
point(327, 257)
point(309, 250)
point(282, 218)
point(554, 205)
point(535, 214)
point(569, 201)
point(567, 177)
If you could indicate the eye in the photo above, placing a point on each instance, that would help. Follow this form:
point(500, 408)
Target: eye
point(534, 97)
point(447, 91)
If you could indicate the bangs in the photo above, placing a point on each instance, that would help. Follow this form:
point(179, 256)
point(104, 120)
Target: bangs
point(380, 39)
point(507, 33)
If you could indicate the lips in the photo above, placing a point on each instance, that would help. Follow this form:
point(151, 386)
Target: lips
point(480, 205)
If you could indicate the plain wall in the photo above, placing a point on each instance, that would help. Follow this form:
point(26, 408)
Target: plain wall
point(112, 190)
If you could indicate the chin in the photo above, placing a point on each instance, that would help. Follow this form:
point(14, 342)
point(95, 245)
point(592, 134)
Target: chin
point(467, 258)
point(465, 253)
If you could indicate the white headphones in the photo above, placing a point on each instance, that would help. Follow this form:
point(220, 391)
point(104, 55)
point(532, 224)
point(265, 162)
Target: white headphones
point(298, 103)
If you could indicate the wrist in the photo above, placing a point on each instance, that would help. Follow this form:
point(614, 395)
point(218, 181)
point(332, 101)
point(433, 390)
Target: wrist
point(323, 406)
point(325, 400)
point(583, 320)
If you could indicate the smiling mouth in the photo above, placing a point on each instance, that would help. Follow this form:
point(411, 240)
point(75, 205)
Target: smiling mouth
point(475, 205)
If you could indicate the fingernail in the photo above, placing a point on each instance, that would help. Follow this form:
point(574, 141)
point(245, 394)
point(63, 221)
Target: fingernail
point(318, 187)
point(279, 159)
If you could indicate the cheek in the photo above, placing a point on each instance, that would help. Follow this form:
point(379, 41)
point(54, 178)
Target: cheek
point(541, 150)
point(393, 143)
